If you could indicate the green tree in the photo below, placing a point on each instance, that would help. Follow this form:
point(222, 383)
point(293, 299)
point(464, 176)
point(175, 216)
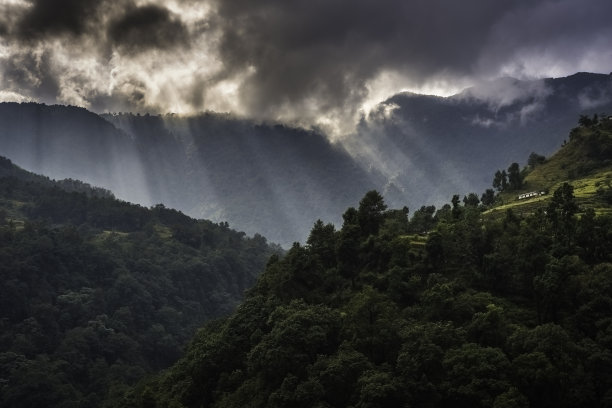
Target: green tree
point(423, 219)
point(370, 213)
point(476, 375)
point(456, 211)
point(322, 243)
point(535, 160)
point(560, 212)
point(515, 179)
point(471, 200)
point(500, 181)
point(488, 197)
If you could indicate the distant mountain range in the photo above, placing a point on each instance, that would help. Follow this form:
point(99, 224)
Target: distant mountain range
point(277, 180)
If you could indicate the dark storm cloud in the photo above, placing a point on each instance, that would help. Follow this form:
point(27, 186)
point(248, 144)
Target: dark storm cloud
point(52, 17)
point(148, 27)
point(288, 59)
point(329, 49)
point(32, 72)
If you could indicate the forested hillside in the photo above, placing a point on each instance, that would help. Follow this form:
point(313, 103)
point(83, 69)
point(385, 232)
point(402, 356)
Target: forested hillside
point(276, 179)
point(432, 147)
point(270, 179)
point(584, 160)
point(96, 293)
point(448, 308)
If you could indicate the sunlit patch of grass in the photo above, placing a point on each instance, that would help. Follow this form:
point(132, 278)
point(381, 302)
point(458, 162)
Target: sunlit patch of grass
point(415, 239)
point(163, 232)
point(108, 234)
point(603, 211)
point(16, 223)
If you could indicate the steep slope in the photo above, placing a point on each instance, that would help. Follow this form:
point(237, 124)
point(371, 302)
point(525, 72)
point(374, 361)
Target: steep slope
point(277, 180)
point(95, 293)
point(269, 179)
point(585, 162)
point(488, 313)
point(442, 146)
point(68, 142)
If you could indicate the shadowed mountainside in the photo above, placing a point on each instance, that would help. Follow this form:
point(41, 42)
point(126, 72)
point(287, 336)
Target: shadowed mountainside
point(277, 180)
point(441, 146)
point(95, 292)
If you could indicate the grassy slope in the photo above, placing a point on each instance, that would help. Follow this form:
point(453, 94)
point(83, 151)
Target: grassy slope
point(584, 162)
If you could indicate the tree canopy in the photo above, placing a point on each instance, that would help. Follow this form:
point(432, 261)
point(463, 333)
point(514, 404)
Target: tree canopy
point(485, 313)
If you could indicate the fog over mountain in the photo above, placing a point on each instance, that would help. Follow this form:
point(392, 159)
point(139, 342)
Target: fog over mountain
point(269, 179)
point(432, 147)
point(341, 80)
point(277, 180)
point(307, 62)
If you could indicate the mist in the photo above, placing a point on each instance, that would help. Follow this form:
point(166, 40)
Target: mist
point(315, 63)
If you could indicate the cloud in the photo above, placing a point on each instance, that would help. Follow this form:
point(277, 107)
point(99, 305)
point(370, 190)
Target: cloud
point(315, 62)
point(593, 98)
point(148, 27)
point(325, 52)
point(46, 17)
point(32, 70)
point(506, 91)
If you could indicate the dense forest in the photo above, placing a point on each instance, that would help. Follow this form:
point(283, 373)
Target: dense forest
point(96, 293)
point(507, 313)
point(454, 307)
point(491, 302)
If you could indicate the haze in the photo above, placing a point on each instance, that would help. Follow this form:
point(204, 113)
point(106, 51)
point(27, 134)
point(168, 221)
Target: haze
point(313, 63)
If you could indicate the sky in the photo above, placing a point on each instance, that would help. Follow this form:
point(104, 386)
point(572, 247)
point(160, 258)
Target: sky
point(309, 62)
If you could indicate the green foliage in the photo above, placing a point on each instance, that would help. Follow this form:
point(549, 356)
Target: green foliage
point(488, 198)
point(97, 293)
point(515, 179)
point(370, 212)
point(500, 180)
point(471, 200)
point(488, 313)
point(535, 160)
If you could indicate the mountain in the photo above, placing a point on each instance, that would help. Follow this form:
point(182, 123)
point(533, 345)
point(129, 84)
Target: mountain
point(276, 180)
point(69, 142)
point(96, 293)
point(433, 147)
point(269, 179)
point(584, 161)
point(272, 179)
point(510, 311)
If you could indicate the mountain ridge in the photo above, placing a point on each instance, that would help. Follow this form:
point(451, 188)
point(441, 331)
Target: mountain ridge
point(276, 179)
point(96, 292)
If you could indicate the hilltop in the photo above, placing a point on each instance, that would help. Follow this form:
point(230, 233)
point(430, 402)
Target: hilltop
point(265, 178)
point(276, 179)
point(432, 147)
point(584, 161)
